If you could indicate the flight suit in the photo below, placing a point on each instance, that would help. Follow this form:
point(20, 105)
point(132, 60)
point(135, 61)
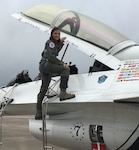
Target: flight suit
point(49, 64)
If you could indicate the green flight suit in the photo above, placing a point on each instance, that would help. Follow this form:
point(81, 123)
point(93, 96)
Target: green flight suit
point(50, 64)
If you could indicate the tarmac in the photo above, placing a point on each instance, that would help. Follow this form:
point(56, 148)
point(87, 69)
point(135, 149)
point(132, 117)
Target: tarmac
point(15, 135)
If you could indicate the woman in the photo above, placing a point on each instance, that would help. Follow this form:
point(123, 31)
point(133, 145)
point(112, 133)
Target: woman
point(50, 64)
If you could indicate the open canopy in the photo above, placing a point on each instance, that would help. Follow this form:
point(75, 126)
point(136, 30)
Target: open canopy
point(77, 25)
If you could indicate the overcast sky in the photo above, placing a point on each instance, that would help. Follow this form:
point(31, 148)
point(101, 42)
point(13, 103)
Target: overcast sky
point(21, 44)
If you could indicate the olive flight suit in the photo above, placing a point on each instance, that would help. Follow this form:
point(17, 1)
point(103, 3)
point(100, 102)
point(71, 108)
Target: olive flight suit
point(49, 64)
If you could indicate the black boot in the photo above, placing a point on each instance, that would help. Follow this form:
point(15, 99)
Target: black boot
point(38, 115)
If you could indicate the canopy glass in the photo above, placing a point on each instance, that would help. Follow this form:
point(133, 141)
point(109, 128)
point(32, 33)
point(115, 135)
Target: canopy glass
point(77, 25)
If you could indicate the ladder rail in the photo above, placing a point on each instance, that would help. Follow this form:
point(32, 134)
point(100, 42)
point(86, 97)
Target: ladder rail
point(44, 111)
point(44, 123)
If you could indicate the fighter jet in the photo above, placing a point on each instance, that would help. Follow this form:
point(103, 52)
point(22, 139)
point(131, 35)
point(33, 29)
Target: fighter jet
point(104, 113)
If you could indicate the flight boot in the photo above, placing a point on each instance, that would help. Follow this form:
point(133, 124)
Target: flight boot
point(64, 95)
point(38, 115)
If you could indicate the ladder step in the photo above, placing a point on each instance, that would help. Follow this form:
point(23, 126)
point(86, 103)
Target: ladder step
point(46, 116)
point(48, 147)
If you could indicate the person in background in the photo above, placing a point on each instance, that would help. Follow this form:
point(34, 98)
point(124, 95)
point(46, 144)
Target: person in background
point(50, 64)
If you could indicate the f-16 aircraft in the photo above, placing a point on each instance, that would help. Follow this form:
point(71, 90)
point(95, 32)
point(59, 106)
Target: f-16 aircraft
point(104, 113)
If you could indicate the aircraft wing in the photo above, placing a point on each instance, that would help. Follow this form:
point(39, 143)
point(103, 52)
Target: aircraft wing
point(86, 34)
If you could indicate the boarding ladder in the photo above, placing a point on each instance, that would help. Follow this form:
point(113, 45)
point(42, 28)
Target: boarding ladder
point(3, 105)
point(4, 102)
point(50, 93)
point(44, 117)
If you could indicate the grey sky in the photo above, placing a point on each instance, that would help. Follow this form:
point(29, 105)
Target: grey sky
point(21, 44)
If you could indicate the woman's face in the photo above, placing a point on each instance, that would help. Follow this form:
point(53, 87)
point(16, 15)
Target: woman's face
point(56, 35)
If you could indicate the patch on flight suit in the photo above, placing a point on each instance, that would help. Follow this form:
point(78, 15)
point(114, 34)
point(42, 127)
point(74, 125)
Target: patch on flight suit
point(51, 45)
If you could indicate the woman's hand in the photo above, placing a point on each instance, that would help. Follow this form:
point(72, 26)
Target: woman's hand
point(66, 66)
point(63, 39)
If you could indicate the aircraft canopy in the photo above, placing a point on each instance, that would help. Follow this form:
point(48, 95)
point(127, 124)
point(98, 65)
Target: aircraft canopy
point(77, 25)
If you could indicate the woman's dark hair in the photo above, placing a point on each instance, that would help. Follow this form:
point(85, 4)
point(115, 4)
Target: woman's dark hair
point(55, 28)
point(51, 37)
